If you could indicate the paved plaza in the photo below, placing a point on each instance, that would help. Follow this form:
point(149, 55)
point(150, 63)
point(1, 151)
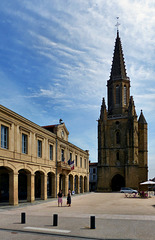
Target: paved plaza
point(116, 217)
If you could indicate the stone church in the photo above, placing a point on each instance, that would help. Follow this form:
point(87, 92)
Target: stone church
point(122, 136)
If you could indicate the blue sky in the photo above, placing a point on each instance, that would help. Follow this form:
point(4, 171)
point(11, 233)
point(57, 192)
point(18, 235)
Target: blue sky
point(55, 60)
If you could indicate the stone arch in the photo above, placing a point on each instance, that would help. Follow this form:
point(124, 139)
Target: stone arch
point(81, 184)
point(9, 166)
point(76, 184)
point(23, 180)
point(41, 170)
point(62, 183)
point(85, 184)
point(39, 184)
point(28, 169)
point(117, 182)
point(71, 182)
point(5, 187)
point(51, 189)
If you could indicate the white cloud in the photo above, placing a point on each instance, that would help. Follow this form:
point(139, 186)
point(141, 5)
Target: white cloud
point(71, 44)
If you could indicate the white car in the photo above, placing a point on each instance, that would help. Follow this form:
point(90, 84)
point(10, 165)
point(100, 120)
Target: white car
point(128, 190)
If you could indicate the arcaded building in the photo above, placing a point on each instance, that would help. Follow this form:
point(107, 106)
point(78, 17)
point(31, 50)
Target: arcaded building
point(122, 135)
point(34, 160)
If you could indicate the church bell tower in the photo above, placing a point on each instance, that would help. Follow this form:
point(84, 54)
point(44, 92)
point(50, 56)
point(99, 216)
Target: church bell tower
point(118, 84)
point(122, 153)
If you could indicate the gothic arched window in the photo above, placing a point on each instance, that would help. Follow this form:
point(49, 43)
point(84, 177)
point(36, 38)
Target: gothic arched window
point(117, 137)
point(125, 93)
point(117, 94)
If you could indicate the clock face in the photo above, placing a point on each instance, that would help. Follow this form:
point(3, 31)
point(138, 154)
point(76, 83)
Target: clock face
point(62, 133)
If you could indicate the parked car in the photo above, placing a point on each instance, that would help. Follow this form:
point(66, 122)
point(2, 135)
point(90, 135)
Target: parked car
point(128, 190)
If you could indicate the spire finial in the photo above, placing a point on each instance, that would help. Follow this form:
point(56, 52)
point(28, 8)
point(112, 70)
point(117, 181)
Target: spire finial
point(117, 24)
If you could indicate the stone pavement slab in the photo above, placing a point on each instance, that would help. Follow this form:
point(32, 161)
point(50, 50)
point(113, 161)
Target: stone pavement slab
point(116, 217)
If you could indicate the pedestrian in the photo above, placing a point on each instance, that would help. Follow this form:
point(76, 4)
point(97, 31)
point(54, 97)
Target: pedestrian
point(69, 198)
point(60, 195)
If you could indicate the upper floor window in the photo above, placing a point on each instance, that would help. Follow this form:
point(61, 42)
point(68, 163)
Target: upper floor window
point(39, 148)
point(125, 93)
point(117, 137)
point(94, 170)
point(4, 136)
point(117, 94)
point(85, 163)
point(51, 152)
point(70, 156)
point(62, 155)
point(81, 162)
point(76, 160)
point(24, 143)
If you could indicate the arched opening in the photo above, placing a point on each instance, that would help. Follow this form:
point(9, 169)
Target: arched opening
point(70, 183)
point(117, 182)
point(50, 185)
point(62, 183)
point(38, 185)
point(117, 94)
point(4, 184)
point(117, 137)
point(125, 95)
point(76, 184)
point(85, 184)
point(81, 184)
point(22, 185)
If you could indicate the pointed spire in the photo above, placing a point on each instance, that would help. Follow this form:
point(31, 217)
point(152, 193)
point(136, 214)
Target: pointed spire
point(118, 70)
point(142, 118)
point(103, 113)
point(131, 109)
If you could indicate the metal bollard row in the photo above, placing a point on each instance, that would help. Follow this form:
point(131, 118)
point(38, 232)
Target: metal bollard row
point(55, 220)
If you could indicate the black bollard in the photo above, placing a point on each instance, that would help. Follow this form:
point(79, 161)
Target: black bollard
point(55, 220)
point(92, 222)
point(23, 217)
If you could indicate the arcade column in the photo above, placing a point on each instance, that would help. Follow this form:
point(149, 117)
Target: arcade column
point(13, 188)
point(30, 187)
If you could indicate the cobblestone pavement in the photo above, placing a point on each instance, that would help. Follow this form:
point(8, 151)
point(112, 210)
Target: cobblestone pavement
point(116, 217)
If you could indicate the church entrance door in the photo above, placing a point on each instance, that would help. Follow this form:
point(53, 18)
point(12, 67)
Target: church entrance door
point(117, 182)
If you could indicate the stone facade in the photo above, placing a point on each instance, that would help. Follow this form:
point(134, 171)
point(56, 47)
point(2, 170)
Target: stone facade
point(34, 160)
point(122, 138)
